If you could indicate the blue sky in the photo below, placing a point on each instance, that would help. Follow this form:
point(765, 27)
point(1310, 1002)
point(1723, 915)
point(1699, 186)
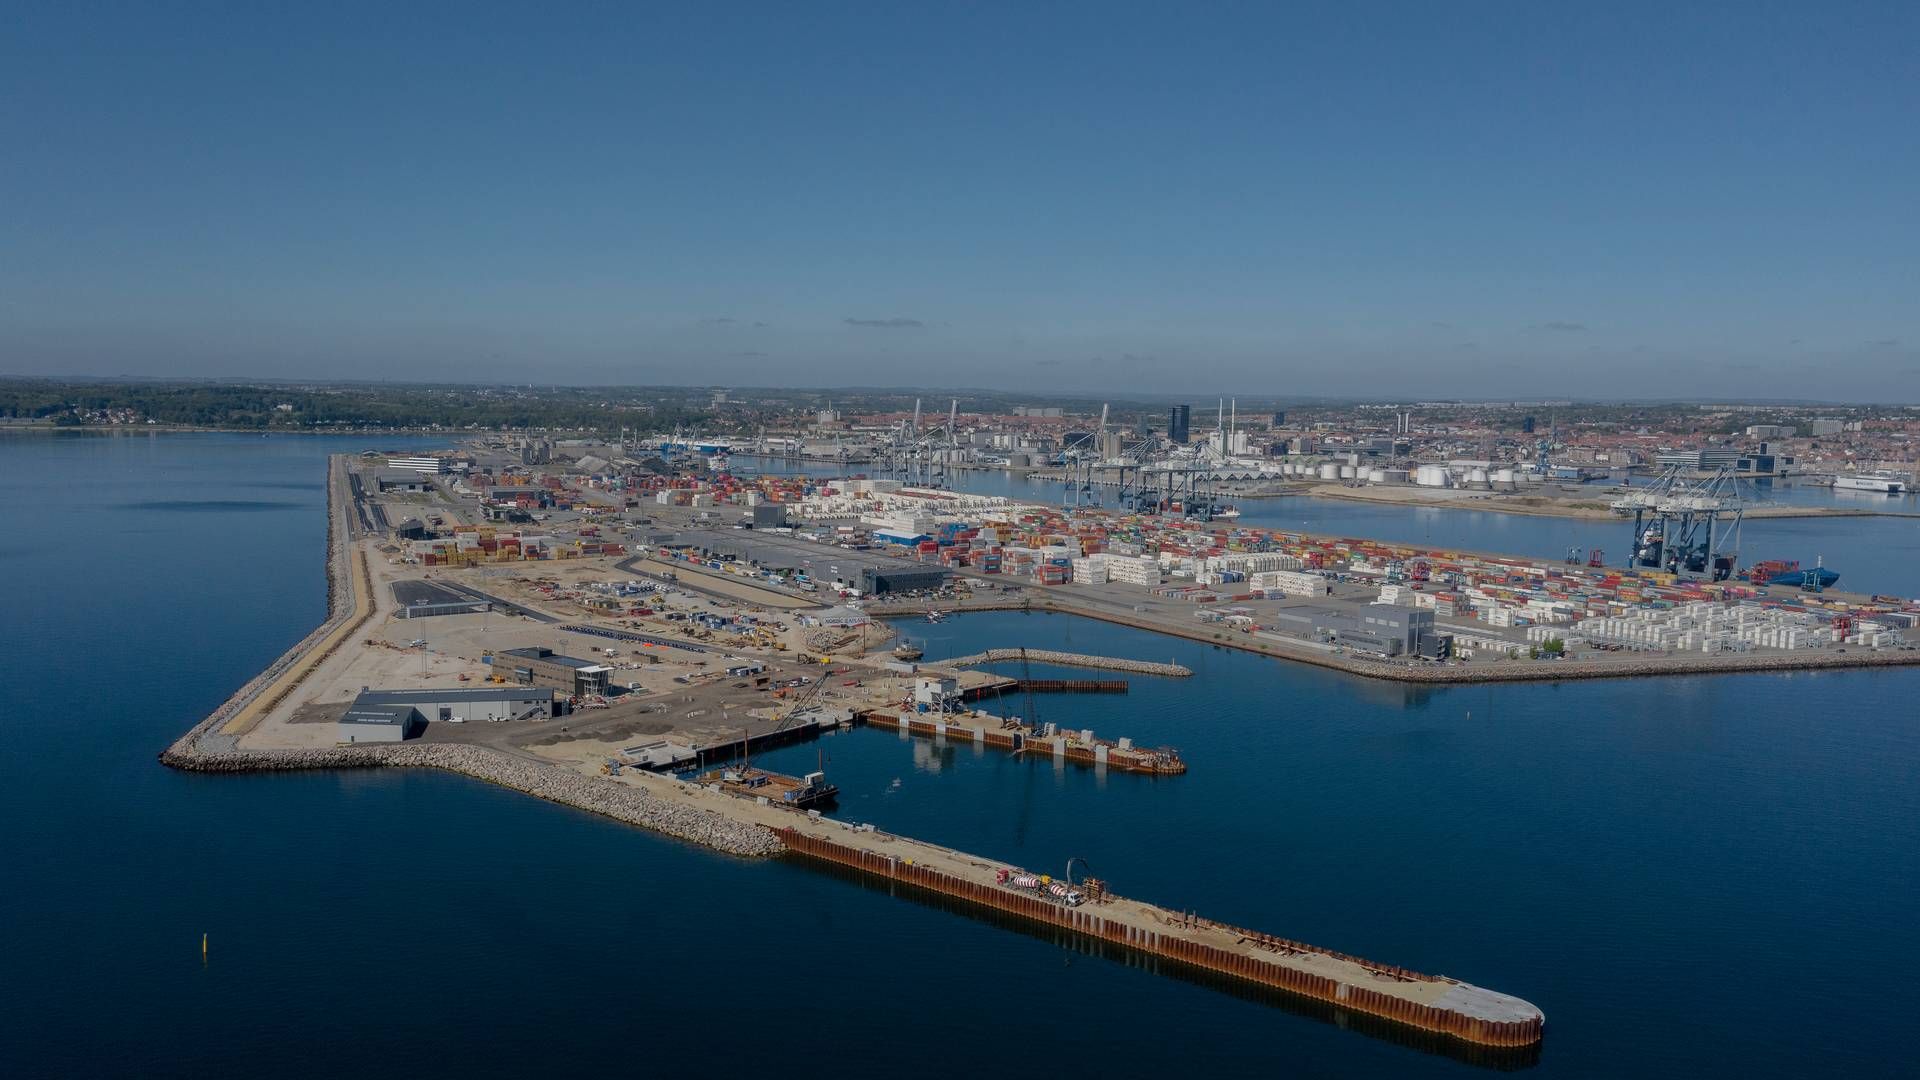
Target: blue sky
point(1471, 198)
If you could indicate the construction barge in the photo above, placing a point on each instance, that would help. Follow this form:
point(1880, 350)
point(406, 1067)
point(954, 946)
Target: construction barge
point(985, 729)
point(1435, 1004)
point(807, 792)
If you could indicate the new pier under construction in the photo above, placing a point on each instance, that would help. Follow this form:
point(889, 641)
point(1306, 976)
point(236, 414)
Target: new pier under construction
point(1079, 747)
point(1430, 1003)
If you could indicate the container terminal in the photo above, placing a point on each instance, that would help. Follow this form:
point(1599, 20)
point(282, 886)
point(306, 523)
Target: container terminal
point(1686, 601)
point(641, 648)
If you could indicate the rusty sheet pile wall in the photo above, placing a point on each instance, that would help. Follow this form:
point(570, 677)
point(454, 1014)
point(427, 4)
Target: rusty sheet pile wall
point(1173, 946)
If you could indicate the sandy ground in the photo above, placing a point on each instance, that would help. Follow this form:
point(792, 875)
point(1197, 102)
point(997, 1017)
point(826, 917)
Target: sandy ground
point(670, 692)
point(730, 585)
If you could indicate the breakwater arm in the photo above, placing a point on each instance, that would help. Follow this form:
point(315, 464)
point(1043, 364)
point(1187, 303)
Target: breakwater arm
point(553, 783)
point(1067, 659)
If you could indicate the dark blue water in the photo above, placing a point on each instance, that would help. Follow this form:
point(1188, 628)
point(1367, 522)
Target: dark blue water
point(1649, 862)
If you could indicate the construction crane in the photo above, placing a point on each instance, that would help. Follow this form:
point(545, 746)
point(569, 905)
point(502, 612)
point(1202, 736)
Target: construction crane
point(801, 701)
point(1032, 715)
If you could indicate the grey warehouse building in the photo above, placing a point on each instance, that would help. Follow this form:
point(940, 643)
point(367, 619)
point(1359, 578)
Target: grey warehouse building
point(402, 480)
point(880, 581)
point(784, 555)
point(1382, 628)
point(390, 716)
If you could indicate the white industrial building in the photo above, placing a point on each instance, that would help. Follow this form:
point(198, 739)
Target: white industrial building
point(432, 465)
point(1290, 582)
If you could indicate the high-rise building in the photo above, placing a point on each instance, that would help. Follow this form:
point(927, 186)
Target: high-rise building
point(1177, 421)
point(1526, 426)
point(1279, 418)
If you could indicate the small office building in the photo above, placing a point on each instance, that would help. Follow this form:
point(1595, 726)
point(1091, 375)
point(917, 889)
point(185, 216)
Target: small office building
point(544, 667)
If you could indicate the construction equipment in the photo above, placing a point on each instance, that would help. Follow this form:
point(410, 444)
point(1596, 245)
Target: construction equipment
point(1031, 715)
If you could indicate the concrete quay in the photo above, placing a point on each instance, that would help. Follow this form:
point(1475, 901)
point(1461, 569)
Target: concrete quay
point(1067, 659)
point(1430, 1003)
point(1618, 666)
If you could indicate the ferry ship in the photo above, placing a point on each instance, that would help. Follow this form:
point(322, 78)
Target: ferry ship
point(1885, 485)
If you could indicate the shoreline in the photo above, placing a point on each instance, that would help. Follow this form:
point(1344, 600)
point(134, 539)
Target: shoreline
point(1498, 505)
point(1519, 671)
point(208, 747)
point(1465, 1018)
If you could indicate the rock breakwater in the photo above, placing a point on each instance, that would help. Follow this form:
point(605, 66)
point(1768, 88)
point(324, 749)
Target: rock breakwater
point(607, 797)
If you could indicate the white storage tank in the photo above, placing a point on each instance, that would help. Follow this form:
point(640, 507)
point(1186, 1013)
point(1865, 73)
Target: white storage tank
point(1477, 477)
point(1376, 476)
point(1348, 472)
point(1329, 472)
point(1431, 476)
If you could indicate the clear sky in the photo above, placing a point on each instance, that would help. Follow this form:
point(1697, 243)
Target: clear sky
point(1344, 198)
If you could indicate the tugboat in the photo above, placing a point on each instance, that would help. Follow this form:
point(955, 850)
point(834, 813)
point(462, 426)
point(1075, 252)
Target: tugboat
point(907, 650)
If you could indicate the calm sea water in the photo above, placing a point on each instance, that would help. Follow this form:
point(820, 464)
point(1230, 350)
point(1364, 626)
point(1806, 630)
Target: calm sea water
point(1706, 876)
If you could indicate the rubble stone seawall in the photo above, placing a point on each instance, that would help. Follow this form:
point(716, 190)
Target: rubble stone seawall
point(607, 797)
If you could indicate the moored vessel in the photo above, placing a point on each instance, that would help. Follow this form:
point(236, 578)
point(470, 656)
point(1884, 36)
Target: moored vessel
point(794, 792)
point(1880, 483)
